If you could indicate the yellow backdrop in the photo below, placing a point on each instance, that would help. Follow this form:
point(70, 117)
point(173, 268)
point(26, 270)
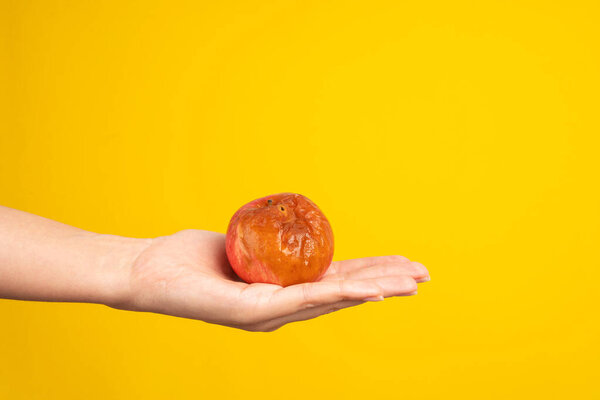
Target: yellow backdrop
point(462, 134)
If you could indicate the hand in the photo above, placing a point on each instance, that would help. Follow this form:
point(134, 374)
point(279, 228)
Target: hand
point(187, 275)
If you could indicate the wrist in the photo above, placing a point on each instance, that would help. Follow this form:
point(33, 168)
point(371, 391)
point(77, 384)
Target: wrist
point(115, 262)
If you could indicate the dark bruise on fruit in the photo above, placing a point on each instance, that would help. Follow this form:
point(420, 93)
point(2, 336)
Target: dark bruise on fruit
point(284, 240)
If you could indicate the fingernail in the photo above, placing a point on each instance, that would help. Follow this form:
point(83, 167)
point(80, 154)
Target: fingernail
point(426, 279)
point(376, 298)
point(412, 293)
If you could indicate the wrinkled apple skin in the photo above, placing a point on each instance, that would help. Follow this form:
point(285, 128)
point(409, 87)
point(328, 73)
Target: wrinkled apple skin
point(282, 239)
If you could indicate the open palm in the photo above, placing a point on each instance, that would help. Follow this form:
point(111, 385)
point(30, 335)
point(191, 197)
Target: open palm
point(187, 275)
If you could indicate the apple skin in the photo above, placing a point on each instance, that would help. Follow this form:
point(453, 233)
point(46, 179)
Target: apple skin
point(283, 239)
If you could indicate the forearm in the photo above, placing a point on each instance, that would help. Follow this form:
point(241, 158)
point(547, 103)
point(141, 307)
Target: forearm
point(45, 260)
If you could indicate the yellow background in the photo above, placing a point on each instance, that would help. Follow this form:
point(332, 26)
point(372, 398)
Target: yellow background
point(460, 134)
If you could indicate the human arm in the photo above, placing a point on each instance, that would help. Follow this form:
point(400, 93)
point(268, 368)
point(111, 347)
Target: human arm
point(185, 274)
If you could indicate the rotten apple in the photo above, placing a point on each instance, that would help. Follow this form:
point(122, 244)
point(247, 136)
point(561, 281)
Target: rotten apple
point(282, 239)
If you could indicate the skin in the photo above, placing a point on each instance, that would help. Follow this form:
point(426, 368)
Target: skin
point(282, 239)
point(186, 274)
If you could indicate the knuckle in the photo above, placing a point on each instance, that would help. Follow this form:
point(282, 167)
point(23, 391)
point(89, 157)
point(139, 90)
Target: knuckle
point(307, 296)
point(342, 285)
